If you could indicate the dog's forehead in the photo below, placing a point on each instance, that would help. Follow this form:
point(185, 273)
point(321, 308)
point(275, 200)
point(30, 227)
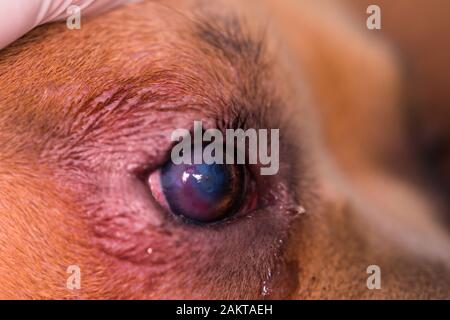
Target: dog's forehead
point(103, 45)
point(152, 33)
point(53, 68)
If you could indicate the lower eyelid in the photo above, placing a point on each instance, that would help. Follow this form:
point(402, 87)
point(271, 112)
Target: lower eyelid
point(133, 223)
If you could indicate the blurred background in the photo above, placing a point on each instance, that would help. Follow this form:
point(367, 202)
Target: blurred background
point(419, 33)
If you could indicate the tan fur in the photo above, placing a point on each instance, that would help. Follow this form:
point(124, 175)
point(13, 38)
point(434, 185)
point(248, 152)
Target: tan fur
point(341, 86)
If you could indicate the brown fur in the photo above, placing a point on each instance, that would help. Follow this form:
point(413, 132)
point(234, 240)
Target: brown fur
point(333, 89)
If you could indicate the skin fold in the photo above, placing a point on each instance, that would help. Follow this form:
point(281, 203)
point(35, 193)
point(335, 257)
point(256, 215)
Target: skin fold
point(84, 114)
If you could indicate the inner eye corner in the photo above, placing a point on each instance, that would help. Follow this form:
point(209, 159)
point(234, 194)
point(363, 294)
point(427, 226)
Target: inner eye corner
point(143, 171)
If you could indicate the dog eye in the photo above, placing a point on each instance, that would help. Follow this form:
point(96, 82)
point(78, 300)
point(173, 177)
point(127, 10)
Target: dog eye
point(200, 192)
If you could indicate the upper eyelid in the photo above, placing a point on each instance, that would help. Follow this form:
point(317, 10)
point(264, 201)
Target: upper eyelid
point(130, 105)
point(125, 105)
point(144, 148)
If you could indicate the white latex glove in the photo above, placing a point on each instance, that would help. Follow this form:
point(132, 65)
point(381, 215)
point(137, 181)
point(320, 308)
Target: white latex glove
point(17, 17)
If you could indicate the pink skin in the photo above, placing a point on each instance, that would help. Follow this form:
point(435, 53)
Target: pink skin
point(20, 16)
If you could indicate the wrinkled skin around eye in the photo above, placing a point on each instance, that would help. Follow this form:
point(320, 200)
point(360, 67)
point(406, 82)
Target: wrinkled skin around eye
point(83, 112)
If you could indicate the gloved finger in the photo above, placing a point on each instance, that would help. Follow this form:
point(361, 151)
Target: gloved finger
point(20, 16)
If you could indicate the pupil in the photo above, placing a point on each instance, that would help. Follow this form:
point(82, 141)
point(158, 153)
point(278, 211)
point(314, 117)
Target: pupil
point(202, 192)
